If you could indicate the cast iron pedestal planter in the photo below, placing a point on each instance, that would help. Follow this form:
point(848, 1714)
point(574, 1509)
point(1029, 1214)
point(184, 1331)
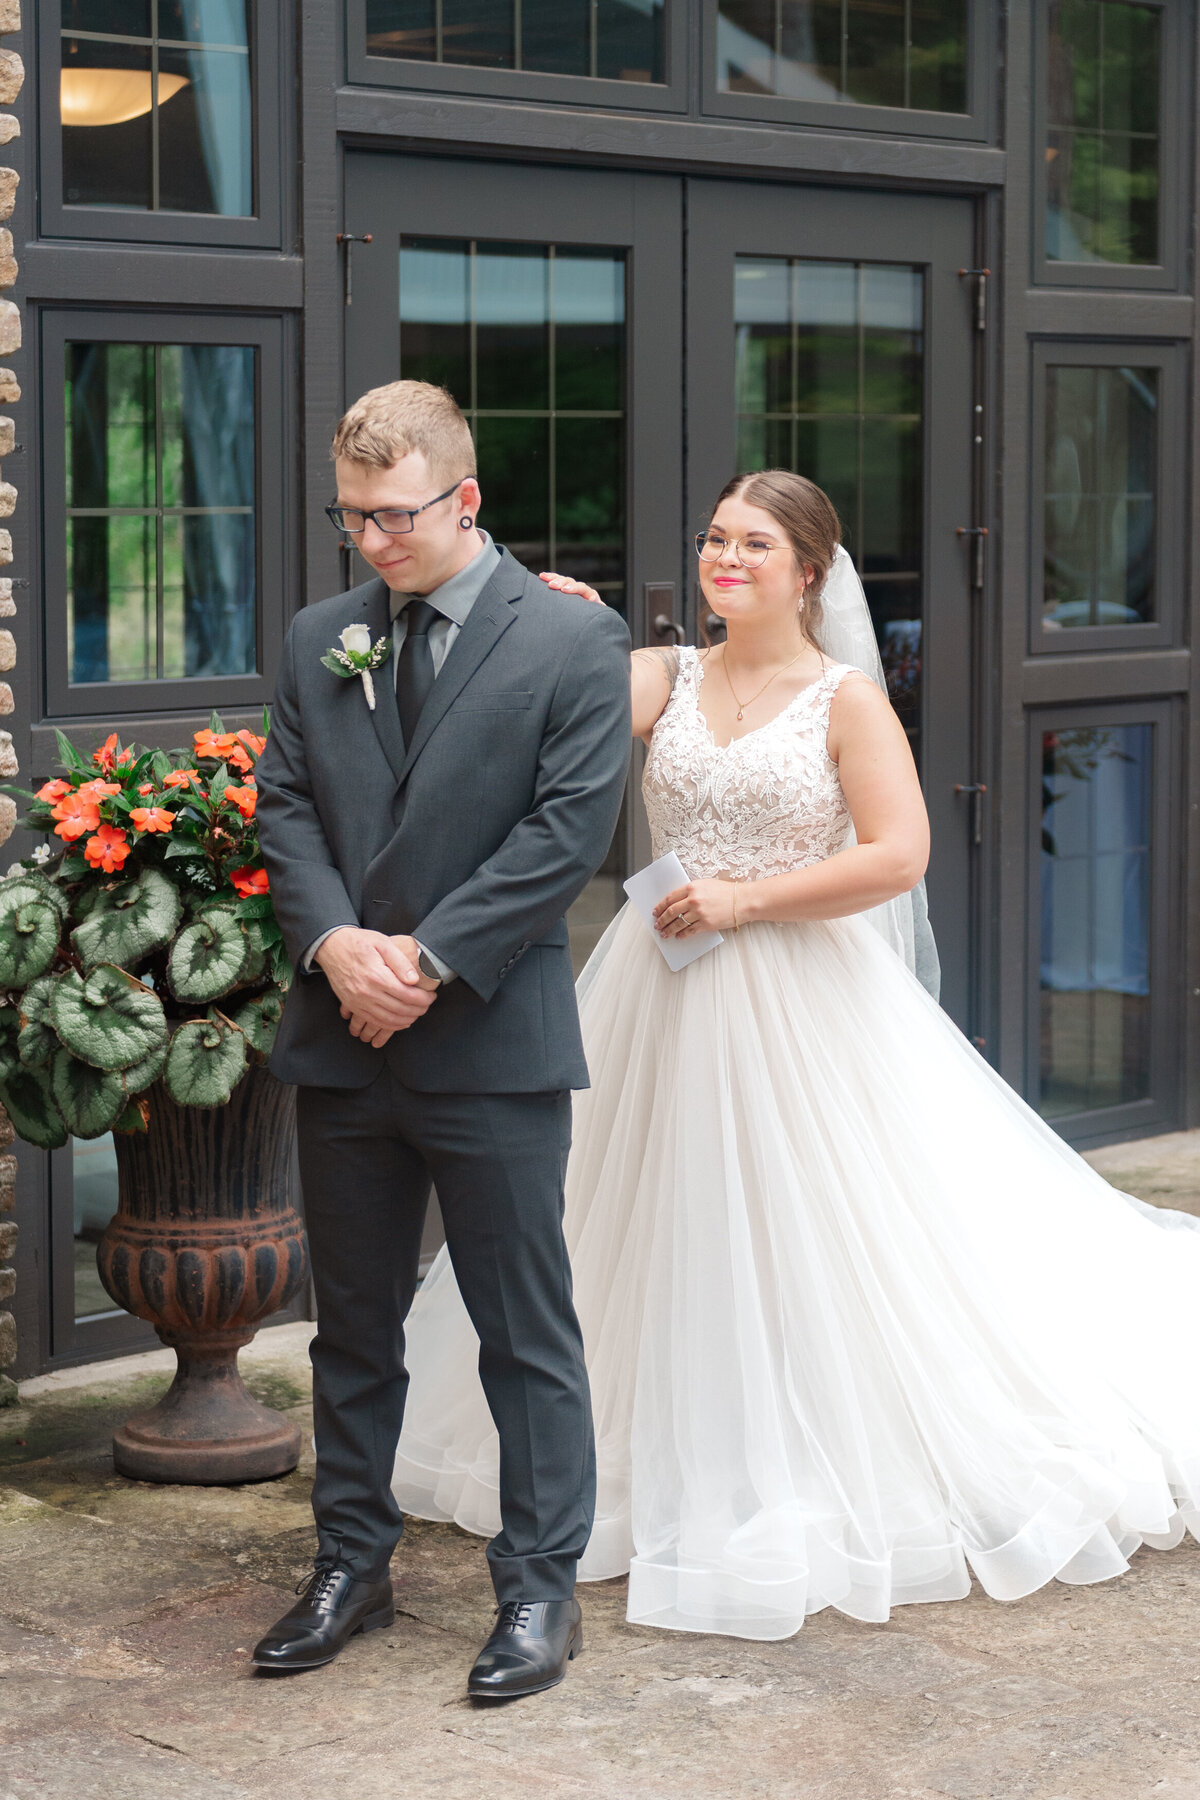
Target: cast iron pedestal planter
point(206, 1244)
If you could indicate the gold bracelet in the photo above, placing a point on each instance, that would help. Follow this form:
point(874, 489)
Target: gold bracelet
point(736, 927)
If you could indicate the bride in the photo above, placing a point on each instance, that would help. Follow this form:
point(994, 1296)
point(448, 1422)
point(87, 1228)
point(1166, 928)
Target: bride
point(858, 1324)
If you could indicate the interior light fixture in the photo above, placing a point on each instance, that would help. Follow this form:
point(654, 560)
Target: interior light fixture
point(113, 96)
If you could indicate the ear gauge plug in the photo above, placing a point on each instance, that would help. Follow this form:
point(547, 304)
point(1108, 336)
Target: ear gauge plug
point(466, 524)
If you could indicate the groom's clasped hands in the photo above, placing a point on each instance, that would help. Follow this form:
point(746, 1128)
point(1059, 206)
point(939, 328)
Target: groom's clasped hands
point(377, 980)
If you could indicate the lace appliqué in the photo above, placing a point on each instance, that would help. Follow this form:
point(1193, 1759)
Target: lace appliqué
point(765, 804)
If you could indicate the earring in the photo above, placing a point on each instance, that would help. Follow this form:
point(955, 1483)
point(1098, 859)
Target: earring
point(465, 524)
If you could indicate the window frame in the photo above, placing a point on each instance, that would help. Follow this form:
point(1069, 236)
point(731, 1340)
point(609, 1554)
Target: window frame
point(975, 125)
point(1168, 273)
point(1159, 1108)
point(668, 96)
point(270, 60)
point(64, 700)
point(1171, 360)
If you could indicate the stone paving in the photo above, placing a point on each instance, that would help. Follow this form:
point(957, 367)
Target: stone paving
point(127, 1613)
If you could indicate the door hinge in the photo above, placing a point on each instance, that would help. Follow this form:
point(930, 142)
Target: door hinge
point(979, 533)
point(347, 239)
point(975, 791)
point(980, 278)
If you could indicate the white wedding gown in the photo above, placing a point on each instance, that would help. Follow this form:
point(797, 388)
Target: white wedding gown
point(858, 1324)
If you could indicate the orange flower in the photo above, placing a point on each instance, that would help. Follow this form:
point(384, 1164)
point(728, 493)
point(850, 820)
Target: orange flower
point(96, 790)
point(181, 777)
point(248, 881)
point(152, 818)
point(53, 790)
point(255, 746)
point(107, 756)
point(77, 814)
point(147, 787)
point(108, 849)
point(212, 743)
point(244, 798)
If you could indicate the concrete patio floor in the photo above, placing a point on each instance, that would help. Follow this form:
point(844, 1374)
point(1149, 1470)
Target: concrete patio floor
point(127, 1613)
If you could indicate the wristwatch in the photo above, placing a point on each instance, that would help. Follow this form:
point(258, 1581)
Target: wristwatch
point(428, 967)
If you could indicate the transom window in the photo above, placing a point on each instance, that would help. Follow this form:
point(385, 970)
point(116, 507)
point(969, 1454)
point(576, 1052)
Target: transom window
point(156, 105)
point(910, 54)
point(160, 511)
point(617, 40)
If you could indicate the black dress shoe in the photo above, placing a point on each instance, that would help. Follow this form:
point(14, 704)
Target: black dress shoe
point(333, 1606)
point(529, 1649)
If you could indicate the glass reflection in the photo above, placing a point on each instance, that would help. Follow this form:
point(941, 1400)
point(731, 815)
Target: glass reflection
point(1102, 148)
point(1095, 955)
point(158, 117)
point(530, 340)
point(94, 1191)
point(617, 40)
point(830, 378)
point(160, 522)
point(1100, 479)
point(910, 54)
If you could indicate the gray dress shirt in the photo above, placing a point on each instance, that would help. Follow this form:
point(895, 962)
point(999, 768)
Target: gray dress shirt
point(454, 600)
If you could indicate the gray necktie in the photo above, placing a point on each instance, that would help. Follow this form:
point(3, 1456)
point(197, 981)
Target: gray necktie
point(414, 666)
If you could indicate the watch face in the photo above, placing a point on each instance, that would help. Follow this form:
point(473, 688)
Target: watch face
point(426, 967)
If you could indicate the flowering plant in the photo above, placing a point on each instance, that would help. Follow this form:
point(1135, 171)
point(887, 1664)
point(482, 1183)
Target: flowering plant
point(358, 656)
point(146, 906)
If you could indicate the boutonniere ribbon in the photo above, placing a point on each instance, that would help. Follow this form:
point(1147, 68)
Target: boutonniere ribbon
point(358, 656)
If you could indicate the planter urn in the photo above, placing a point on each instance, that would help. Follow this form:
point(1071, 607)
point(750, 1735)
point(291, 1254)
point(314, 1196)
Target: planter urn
point(206, 1244)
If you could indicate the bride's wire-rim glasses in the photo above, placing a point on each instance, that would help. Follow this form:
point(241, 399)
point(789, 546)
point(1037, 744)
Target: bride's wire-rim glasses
point(393, 521)
point(751, 552)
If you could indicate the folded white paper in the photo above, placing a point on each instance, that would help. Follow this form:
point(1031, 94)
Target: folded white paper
point(647, 888)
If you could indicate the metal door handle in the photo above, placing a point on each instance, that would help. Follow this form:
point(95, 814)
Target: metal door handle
point(975, 790)
point(666, 627)
point(658, 598)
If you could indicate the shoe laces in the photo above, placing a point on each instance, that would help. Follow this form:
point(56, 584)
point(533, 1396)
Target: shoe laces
point(318, 1586)
point(514, 1615)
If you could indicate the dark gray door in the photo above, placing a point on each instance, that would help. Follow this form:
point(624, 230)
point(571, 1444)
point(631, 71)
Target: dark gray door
point(831, 332)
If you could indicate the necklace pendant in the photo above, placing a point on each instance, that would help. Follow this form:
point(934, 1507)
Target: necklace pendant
point(739, 715)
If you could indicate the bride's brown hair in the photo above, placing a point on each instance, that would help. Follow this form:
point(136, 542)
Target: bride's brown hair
point(806, 516)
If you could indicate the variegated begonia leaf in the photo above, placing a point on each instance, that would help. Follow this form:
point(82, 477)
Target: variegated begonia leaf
point(109, 1019)
point(259, 1019)
point(26, 1098)
point(206, 1061)
point(140, 1074)
point(89, 1099)
point(130, 920)
point(38, 1039)
point(29, 928)
point(209, 957)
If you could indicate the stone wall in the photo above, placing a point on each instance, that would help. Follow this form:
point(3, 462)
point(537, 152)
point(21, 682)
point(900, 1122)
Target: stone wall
point(12, 77)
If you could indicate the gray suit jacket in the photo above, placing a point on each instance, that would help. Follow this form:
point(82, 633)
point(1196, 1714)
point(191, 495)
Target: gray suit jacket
point(475, 839)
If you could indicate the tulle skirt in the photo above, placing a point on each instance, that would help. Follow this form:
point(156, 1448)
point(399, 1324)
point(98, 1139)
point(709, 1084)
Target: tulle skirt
point(858, 1324)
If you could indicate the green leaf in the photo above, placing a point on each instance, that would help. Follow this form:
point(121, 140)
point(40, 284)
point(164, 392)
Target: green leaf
point(38, 1039)
point(206, 1061)
point(218, 784)
point(259, 1020)
point(214, 723)
point(68, 755)
point(140, 1074)
point(129, 920)
point(89, 1099)
point(136, 1117)
point(110, 1020)
point(29, 927)
point(41, 884)
point(209, 957)
point(26, 1097)
point(255, 906)
point(181, 847)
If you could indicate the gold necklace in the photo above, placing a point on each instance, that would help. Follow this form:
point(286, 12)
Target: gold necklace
point(743, 704)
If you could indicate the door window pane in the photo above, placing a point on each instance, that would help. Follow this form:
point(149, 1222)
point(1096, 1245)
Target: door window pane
point(1100, 478)
point(617, 40)
point(530, 340)
point(156, 107)
point(94, 1187)
point(160, 511)
point(910, 54)
point(1095, 956)
point(1102, 149)
point(830, 378)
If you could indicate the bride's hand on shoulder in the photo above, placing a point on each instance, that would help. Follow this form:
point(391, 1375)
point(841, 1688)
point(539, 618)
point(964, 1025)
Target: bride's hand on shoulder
point(697, 906)
point(563, 584)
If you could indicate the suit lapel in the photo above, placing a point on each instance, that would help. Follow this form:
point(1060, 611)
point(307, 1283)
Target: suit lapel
point(386, 715)
point(488, 620)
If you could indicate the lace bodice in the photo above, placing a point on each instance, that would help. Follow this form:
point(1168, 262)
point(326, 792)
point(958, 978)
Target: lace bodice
point(764, 804)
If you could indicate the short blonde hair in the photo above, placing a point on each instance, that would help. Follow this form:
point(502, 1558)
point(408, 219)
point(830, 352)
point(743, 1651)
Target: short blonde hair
point(390, 422)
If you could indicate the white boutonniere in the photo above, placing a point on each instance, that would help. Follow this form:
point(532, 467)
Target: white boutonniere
point(358, 656)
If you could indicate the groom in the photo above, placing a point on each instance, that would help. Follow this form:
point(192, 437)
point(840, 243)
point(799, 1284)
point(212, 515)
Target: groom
point(422, 854)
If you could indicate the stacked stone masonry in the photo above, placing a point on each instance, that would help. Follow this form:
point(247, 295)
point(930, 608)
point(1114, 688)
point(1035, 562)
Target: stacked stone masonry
point(12, 77)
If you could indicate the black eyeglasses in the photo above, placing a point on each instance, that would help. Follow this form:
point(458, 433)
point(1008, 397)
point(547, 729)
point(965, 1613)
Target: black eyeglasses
point(393, 521)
